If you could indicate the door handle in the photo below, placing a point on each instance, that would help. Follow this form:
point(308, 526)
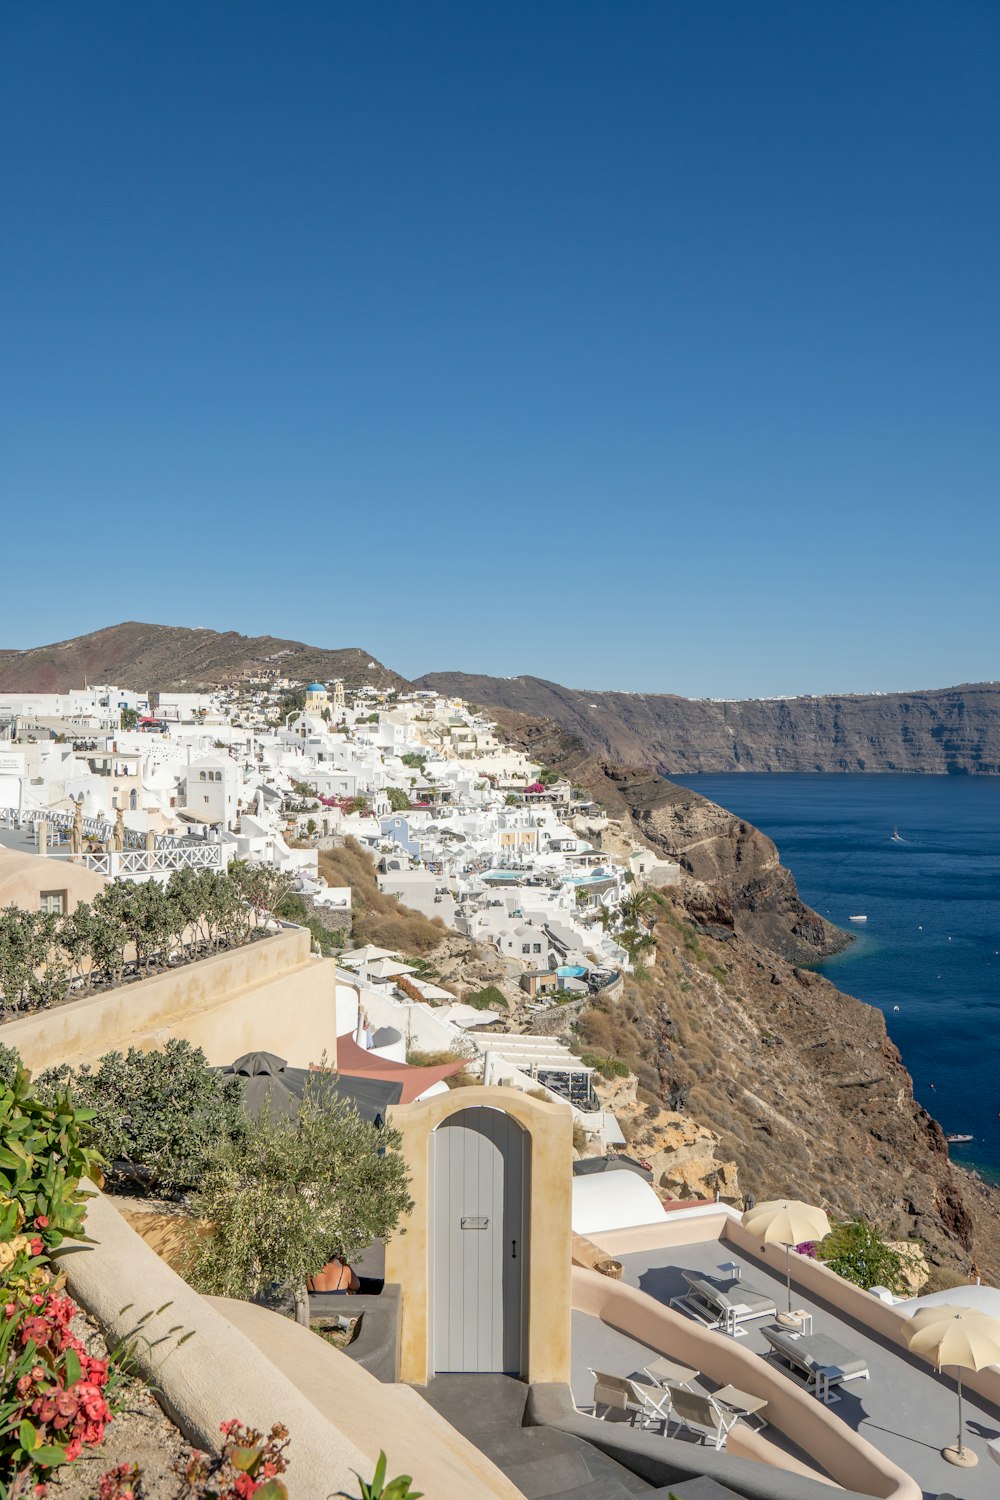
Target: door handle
point(513, 1249)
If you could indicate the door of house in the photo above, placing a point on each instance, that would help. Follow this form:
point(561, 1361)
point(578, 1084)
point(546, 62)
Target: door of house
point(479, 1183)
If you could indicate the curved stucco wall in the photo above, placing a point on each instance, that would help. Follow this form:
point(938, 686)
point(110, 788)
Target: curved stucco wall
point(415, 1438)
point(847, 1458)
point(211, 1359)
point(204, 1369)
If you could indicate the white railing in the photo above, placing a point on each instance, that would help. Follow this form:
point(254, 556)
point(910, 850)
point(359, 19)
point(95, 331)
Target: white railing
point(181, 857)
point(135, 862)
point(96, 827)
point(140, 864)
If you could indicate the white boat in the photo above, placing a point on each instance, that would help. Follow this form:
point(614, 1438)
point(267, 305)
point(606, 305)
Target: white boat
point(857, 919)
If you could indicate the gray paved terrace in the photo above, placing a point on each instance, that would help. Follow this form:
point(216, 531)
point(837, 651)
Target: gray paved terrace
point(595, 1346)
point(906, 1410)
point(542, 1463)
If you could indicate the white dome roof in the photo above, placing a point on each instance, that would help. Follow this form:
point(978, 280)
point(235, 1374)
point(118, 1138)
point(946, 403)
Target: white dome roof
point(603, 1201)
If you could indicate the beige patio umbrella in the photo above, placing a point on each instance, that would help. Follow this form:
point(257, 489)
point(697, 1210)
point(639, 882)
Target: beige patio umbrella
point(961, 1337)
point(786, 1221)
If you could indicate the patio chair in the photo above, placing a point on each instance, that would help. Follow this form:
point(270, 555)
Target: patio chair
point(661, 1369)
point(817, 1361)
point(649, 1404)
point(701, 1415)
point(724, 1304)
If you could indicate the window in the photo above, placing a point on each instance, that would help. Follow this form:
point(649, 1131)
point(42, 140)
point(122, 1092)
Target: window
point(536, 947)
point(53, 903)
point(133, 801)
point(204, 799)
point(202, 775)
point(525, 947)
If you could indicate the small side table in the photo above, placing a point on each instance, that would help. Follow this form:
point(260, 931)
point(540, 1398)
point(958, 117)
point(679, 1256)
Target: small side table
point(824, 1375)
point(733, 1314)
point(796, 1322)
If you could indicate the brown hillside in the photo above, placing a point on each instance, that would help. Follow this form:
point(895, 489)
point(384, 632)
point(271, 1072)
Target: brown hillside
point(155, 657)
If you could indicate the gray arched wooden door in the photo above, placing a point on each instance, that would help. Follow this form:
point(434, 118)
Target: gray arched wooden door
point(479, 1187)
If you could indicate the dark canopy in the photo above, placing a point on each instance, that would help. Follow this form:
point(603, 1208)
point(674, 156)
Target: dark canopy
point(266, 1077)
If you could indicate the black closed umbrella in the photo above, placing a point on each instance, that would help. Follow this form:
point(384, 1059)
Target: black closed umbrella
point(258, 1065)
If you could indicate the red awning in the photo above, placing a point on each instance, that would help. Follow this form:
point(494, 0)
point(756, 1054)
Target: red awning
point(355, 1062)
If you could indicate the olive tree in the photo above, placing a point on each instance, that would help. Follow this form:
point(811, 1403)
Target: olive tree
point(292, 1194)
point(261, 887)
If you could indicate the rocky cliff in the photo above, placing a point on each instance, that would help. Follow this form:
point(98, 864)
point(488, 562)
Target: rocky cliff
point(734, 875)
point(946, 730)
point(798, 1082)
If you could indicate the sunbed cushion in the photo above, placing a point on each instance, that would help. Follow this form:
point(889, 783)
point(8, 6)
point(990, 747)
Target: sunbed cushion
point(729, 1294)
point(811, 1352)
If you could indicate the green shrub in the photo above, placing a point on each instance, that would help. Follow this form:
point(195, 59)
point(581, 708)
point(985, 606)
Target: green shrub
point(10, 1061)
point(157, 1116)
point(46, 958)
point(488, 998)
point(857, 1251)
point(608, 1067)
point(46, 1154)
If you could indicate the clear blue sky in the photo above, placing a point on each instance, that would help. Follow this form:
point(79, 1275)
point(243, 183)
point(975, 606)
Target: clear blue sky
point(646, 345)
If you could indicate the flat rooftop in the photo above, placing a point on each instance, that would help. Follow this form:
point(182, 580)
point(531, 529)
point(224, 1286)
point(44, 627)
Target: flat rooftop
point(905, 1409)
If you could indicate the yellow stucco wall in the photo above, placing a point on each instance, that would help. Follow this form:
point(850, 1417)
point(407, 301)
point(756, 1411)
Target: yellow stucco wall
point(270, 995)
point(408, 1253)
point(23, 877)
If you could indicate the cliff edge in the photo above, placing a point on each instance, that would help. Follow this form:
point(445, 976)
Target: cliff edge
point(801, 1084)
point(954, 731)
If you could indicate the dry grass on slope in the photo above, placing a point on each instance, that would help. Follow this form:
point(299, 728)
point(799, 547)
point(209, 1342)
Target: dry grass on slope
point(378, 918)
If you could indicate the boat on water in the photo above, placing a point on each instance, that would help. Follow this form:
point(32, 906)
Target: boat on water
point(958, 1139)
point(897, 837)
point(857, 919)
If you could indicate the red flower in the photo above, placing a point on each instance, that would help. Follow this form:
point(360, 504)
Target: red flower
point(42, 1221)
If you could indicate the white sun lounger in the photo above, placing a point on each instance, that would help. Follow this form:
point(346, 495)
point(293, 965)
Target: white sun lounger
point(723, 1304)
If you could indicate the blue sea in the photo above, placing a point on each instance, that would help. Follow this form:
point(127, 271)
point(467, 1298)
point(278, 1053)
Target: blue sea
point(929, 954)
